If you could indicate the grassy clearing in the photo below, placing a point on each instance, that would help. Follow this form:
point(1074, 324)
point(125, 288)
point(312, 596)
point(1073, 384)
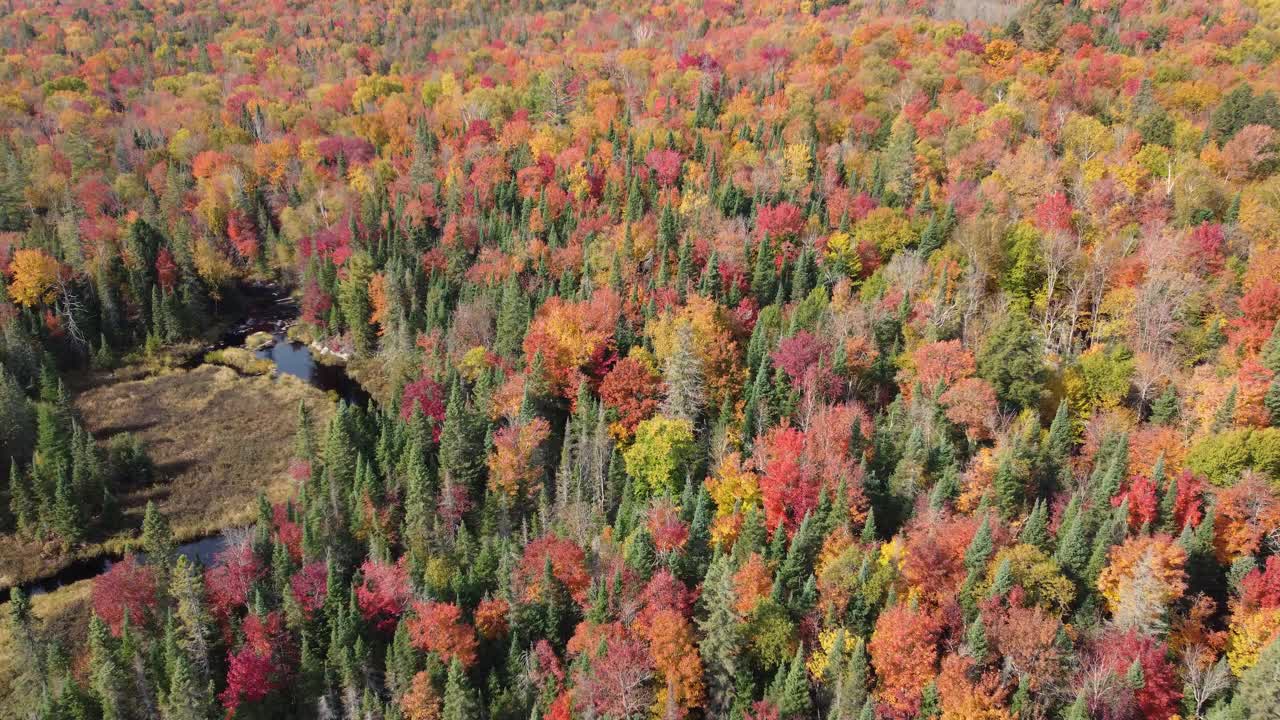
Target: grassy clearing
point(217, 438)
point(258, 340)
point(241, 360)
point(61, 616)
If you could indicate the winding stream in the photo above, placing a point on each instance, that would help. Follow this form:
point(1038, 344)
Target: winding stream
point(271, 310)
point(202, 550)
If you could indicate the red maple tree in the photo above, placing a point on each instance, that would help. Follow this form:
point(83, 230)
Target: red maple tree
point(128, 587)
point(438, 627)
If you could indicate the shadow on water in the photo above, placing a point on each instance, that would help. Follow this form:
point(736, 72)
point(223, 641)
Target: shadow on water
point(268, 308)
point(202, 550)
point(296, 359)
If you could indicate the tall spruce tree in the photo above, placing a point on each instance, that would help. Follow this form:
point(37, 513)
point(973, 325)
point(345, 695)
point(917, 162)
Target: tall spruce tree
point(460, 702)
point(721, 643)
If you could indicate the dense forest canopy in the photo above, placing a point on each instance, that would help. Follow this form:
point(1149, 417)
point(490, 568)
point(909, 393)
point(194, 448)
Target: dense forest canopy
point(745, 360)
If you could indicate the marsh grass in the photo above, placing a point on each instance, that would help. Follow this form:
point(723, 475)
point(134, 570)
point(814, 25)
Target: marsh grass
point(60, 616)
point(259, 340)
point(216, 437)
point(240, 360)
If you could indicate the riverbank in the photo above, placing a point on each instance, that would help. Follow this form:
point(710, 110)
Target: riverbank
point(61, 616)
point(217, 438)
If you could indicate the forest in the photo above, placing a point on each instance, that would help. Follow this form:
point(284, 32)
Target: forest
point(745, 359)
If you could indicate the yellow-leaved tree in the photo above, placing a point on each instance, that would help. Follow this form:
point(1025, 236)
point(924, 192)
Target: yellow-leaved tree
point(34, 277)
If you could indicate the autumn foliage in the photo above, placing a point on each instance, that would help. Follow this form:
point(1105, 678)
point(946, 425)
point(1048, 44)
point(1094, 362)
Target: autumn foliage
point(715, 359)
point(437, 627)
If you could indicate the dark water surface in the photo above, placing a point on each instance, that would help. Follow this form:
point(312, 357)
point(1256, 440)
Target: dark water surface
point(294, 358)
point(270, 310)
point(202, 551)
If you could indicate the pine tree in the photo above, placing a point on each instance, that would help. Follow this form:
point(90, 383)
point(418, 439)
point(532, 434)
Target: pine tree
point(1035, 531)
point(794, 700)
point(53, 425)
point(945, 489)
point(799, 558)
point(1164, 411)
point(339, 459)
point(353, 299)
point(462, 453)
point(106, 676)
point(1203, 570)
point(753, 537)
point(758, 411)
point(1168, 499)
point(1109, 472)
point(22, 500)
point(852, 691)
point(460, 702)
point(17, 420)
point(697, 552)
point(869, 531)
point(1109, 533)
point(1271, 401)
point(1078, 710)
point(976, 637)
point(1009, 485)
point(68, 520)
point(764, 274)
point(159, 324)
point(1258, 694)
point(1225, 416)
point(804, 275)
point(304, 440)
point(1270, 353)
point(1072, 551)
point(1134, 677)
point(28, 657)
point(1012, 362)
point(980, 548)
point(1002, 581)
point(512, 318)
point(195, 625)
point(684, 266)
point(1056, 450)
point(157, 537)
point(721, 642)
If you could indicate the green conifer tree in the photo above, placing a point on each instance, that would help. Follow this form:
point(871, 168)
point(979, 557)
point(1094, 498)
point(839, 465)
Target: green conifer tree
point(107, 677)
point(721, 643)
point(460, 702)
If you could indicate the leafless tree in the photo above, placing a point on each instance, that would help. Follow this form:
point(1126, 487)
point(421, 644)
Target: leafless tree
point(1206, 679)
point(1141, 604)
point(1103, 688)
point(560, 97)
point(68, 306)
point(979, 241)
point(1061, 253)
point(1105, 255)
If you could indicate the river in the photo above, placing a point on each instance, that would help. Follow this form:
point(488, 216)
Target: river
point(270, 310)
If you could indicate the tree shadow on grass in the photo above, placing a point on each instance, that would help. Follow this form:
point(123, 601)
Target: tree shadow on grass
point(109, 431)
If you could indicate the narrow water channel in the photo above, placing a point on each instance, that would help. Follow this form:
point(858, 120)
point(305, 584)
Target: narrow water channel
point(270, 310)
point(201, 551)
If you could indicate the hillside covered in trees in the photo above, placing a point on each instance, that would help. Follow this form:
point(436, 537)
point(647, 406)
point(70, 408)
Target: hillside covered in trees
point(743, 360)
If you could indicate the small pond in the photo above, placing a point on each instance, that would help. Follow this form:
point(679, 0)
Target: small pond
point(295, 358)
